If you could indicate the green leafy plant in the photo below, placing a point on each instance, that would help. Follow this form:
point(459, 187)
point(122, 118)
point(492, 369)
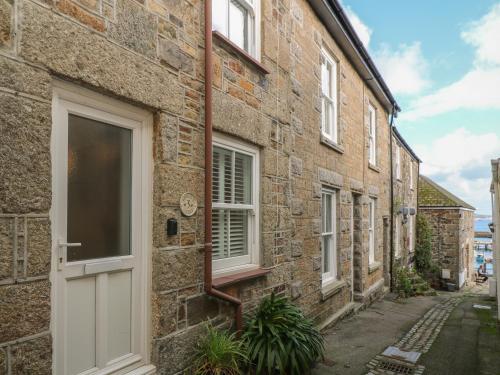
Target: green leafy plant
point(423, 246)
point(281, 340)
point(403, 283)
point(219, 353)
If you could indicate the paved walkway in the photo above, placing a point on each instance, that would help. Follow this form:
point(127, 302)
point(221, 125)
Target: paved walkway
point(435, 329)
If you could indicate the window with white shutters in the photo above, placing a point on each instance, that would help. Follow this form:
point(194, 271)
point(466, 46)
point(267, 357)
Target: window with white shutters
point(234, 201)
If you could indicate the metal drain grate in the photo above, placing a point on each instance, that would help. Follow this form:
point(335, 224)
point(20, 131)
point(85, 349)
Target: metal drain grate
point(395, 368)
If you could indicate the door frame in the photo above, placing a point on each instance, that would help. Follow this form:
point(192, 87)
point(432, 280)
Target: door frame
point(76, 95)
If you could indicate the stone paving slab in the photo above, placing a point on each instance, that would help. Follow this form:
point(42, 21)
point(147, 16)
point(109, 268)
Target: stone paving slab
point(418, 340)
point(355, 341)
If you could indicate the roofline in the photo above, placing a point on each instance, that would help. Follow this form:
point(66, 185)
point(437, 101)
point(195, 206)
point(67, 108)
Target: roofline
point(460, 203)
point(332, 15)
point(424, 207)
point(400, 138)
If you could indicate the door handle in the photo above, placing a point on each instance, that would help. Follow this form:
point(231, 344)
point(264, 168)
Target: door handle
point(61, 251)
point(70, 244)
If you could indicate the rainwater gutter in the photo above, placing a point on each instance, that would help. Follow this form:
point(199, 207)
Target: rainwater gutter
point(208, 279)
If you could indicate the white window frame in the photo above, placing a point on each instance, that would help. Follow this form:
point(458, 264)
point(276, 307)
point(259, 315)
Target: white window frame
point(398, 162)
point(253, 22)
point(372, 135)
point(411, 236)
point(329, 127)
point(371, 230)
point(351, 235)
point(331, 275)
point(411, 174)
point(397, 244)
point(252, 259)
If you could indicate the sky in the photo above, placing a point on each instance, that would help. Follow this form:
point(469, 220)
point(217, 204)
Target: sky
point(441, 60)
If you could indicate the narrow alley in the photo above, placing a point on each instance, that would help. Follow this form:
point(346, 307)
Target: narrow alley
point(447, 334)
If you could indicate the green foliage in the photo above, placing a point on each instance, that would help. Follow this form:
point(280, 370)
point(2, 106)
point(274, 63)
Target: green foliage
point(281, 340)
point(219, 353)
point(403, 282)
point(423, 246)
point(409, 283)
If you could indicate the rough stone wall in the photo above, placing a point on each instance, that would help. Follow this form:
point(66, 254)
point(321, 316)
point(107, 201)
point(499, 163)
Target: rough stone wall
point(452, 230)
point(466, 242)
point(150, 54)
point(405, 195)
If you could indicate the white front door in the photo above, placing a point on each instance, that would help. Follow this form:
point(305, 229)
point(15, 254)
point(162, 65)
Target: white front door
point(100, 158)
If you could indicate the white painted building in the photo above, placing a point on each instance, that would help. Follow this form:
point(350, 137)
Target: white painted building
point(495, 193)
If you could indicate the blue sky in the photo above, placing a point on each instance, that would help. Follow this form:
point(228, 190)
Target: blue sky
point(441, 59)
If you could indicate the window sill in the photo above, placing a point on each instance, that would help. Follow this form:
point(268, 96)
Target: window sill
point(241, 52)
point(335, 146)
point(239, 276)
point(143, 370)
point(374, 266)
point(373, 167)
point(332, 288)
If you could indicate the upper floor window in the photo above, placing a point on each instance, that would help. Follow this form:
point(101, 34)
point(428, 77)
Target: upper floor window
point(329, 126)
point(328, 236)
point(372, 135)
point(371, 231)
point(398, 162)
point(235, 204)
point(397, 224)
point(411, 174)
point(238, 20)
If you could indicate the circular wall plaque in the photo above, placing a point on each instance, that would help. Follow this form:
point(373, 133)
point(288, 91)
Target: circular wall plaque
point(188, 204)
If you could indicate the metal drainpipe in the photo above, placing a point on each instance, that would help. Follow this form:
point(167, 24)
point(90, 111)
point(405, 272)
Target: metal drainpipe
point(391, 265)
point(209, 289)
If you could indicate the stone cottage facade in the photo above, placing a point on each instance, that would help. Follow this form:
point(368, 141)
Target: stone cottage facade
point(102, 170)
point(406, 167)
point(452, 223)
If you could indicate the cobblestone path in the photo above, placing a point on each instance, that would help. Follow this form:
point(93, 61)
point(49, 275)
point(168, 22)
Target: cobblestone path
point(418, 339)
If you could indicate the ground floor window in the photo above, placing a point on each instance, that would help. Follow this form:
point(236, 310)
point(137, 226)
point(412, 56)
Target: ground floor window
point(411, 231)
point(235, 204)
point(396, 236)
point(371, 231)
point(328, 236)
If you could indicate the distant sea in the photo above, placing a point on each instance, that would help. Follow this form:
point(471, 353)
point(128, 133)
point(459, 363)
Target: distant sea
point(481, 225)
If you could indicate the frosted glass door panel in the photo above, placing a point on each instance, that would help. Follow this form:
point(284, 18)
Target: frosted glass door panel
point(99, 189)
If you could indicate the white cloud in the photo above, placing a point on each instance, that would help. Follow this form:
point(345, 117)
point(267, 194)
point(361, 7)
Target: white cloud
point(404, 69)
point(478, 88)
point(363, 31)
point(484, 36)
point(460, 162)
